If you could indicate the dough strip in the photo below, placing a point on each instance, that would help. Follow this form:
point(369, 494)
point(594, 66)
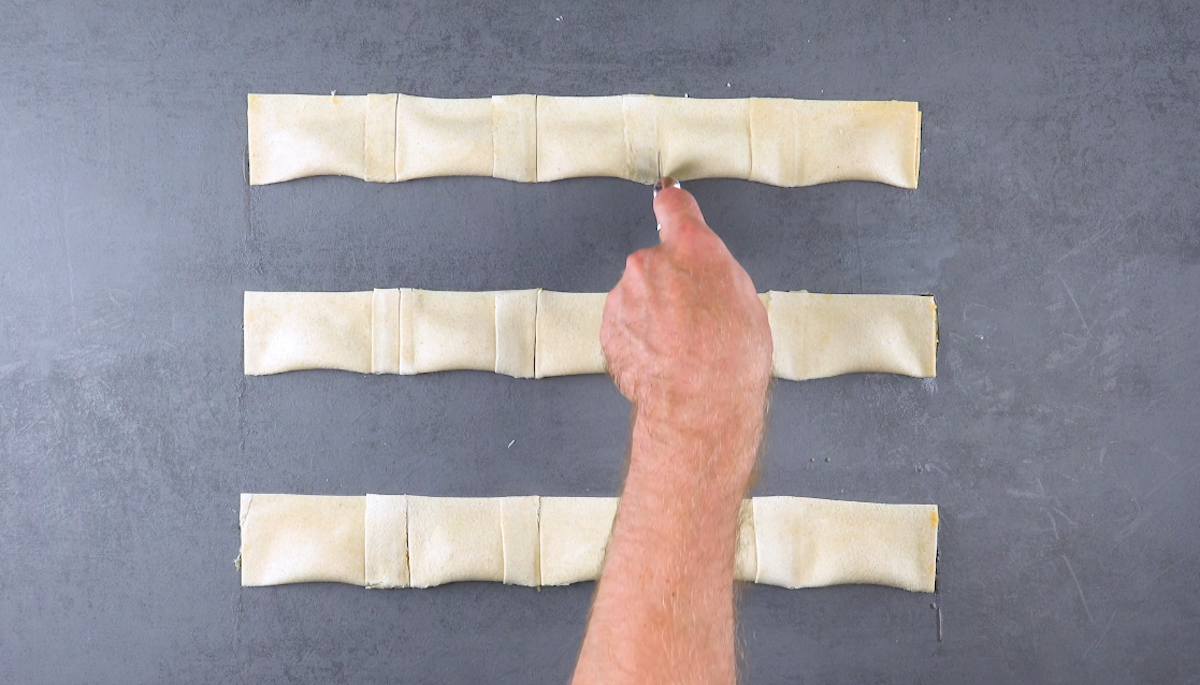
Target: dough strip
point(535, 138)
point(392, 541)
point(541, 333)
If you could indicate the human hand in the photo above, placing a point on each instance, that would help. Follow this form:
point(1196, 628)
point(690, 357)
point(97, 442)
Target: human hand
point(686, 336)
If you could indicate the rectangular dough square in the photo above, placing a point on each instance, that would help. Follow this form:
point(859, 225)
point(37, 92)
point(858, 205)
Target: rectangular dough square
point(568, 333)
point(293, 136)
point(452, 539)
point(818, 335)
point(866, 141)
point(574, 536)
point(774, 148)
point(292, 331)
point(704, 138)
point(443, 137)
point(301, 539)
point(580, 136)
point(449, 330)
point(386, 541)
point(804, 542)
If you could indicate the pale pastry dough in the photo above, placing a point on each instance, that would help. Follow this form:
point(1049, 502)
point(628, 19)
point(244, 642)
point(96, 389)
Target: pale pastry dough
point(580, 136)
point(291, 331)
point(539, 333)
point(806, 142)
point(519, 531)
point(379, 149)
point(643, 160)
point(454, 539)
point(574, 534)
point(293, 136)
point(403, 331)
point(385, 331)
point(568, 334)
point(384, 541)
point(704, 138)
point(436, 137)
point(532, 138)
point(516, 332)
point(820, 335)
point(302, 539)
point(514, 137)
point(804, 542)
point(449, 330)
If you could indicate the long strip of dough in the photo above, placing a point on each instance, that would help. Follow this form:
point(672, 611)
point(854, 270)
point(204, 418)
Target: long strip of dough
point(540, 333)
point(389, 541)
point(532, 138)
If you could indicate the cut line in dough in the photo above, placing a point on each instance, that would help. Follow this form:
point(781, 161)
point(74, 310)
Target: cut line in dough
point(533, 138)
point(540, 333)
point(395, 541)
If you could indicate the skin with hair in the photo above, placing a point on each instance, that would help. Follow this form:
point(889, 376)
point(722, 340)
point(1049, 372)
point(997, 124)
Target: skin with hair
point(687, 342)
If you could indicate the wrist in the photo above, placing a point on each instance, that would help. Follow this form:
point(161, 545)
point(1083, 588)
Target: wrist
point(697, 457)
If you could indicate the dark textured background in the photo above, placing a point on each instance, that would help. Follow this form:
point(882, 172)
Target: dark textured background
point(1056, 223)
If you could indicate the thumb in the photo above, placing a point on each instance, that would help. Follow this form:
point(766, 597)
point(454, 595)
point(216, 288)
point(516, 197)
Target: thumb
point(676, 210)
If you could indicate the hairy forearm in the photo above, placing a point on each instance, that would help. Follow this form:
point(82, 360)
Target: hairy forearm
point(664, 607)
point(688, 342)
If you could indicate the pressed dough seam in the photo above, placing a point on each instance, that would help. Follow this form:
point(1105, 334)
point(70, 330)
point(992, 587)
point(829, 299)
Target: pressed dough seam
point(503, 544)
point(537, 548)
point(408, 541)
point(537, 174)
point(366, 532)
point(493, 118)
point(917, 157)
point(396, 140)
point(750, 136)
point(246, 515)
point(496, 336)
point(537, 329)
point(757, 559)
point(630, 164)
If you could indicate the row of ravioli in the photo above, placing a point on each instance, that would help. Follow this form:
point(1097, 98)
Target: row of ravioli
point(398, 541)
point(534, 138)
point(541, 333)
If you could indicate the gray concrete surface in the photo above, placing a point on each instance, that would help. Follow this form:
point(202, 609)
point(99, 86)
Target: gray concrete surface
point(1056, 223)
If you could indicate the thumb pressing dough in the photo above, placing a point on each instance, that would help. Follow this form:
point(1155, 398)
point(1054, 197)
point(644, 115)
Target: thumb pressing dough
point(393, 541)
point(540, 333)
point(532, 138)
